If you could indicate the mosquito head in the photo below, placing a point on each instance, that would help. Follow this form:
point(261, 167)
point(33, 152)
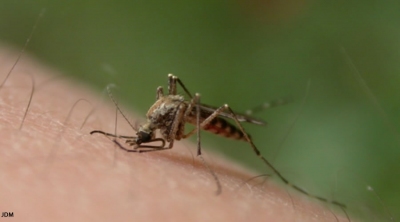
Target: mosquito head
point(145, 134)
point(143, 137)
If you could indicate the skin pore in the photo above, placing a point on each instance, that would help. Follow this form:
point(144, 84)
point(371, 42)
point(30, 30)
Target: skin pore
point(53, 170)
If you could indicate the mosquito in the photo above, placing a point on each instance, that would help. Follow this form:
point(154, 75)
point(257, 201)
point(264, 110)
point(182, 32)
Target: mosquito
point(169, 115)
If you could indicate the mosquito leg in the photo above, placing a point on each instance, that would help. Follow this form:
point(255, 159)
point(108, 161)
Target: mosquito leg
point(177, 126)
point(281, 177)
point(140, 148)
point(123, 148)
point(135, 146)
point(197, 100)
point(206, 121)
point(159, 93)
point(217, 112)
point(175, 79)
point(112, 135)
point(153, 149)
point(193, 102)
point(131, 140)
point(171, 84)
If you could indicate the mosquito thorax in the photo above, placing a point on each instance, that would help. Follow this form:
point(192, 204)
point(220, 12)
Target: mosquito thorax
point(162, 113)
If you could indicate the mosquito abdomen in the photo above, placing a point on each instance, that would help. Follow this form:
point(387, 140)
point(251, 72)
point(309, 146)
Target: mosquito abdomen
point(223, 128)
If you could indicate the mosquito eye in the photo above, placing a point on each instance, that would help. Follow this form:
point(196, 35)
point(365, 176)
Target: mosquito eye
point(143, 137)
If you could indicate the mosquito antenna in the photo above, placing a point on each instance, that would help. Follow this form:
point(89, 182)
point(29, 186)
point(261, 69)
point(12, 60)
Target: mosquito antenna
point(24, 47)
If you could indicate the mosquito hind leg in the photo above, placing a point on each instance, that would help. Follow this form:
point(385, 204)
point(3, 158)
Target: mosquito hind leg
point(226, 107)
point(280, 176)
point(172, 84)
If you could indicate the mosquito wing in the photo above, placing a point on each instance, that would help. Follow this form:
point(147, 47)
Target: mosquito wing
point(206, 110)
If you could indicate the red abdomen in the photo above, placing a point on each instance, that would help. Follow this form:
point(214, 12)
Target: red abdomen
point(223, 128)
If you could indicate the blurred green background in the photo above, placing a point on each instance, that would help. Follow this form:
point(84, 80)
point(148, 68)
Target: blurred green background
point(245, 53)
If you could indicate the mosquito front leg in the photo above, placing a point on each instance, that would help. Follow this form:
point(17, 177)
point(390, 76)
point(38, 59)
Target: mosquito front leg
point(140, 148)
point(145, 149)
point(131, 140)
point(189, 108)
point(112, 135)
point(177, 125)
point(172, 85)
point(123, 148)
point(159, 92)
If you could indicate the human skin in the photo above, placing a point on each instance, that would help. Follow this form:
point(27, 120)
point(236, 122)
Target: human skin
point(53, 170)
